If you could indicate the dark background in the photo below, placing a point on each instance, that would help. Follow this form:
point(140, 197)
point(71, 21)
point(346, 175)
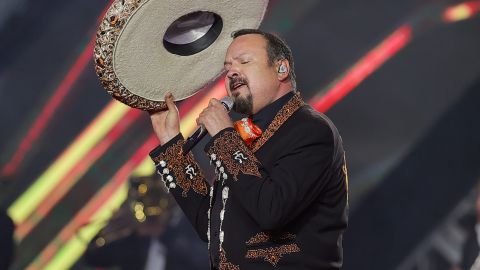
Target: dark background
point(410, 129)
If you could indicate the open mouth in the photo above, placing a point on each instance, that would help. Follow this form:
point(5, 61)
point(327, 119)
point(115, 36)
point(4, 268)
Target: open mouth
point(236, 84)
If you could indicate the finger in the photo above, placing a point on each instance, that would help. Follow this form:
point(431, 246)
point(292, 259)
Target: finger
point(202, 115)
point(200, 120)
point(214, 101)
point(169, 101)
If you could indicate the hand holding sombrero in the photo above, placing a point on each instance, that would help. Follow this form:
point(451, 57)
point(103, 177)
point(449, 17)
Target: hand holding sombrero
point(145, 48)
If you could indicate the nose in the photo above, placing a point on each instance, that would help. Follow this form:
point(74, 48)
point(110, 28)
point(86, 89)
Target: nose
point(232, 73)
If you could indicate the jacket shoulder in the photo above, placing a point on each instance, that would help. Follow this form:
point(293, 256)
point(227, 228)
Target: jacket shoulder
point(313, 122)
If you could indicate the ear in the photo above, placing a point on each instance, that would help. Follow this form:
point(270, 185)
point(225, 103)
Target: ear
point(283, 69)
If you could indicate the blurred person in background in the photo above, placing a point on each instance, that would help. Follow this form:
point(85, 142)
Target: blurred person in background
point(147, 232)
point(7, 244)
point(471, 248)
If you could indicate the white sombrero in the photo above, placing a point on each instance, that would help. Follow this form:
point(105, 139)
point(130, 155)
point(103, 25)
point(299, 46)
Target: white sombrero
point(145, 48)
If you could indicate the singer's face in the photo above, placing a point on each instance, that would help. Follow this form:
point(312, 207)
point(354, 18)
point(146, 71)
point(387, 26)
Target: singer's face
point(251, 81)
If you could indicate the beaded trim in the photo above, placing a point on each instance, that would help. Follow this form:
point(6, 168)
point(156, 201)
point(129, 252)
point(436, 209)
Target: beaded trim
point(263, 237)
point(225, 264)
point(186, 177)
point(287, 110)
point(220, 171)
point(208, 215)
point(107, 35)
point(222, 215)
point(272, 254)
point(225, 148)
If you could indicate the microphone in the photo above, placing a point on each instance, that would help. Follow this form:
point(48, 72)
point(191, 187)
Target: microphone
point(227, 102)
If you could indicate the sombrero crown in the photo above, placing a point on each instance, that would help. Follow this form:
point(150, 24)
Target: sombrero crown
point(145, 48)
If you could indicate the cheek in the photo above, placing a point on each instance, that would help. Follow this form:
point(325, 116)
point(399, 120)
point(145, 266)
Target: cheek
point(227, 88)
point(259, 81)
point(254, 78)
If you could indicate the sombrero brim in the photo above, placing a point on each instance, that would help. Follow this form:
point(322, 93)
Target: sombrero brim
point(135, 67)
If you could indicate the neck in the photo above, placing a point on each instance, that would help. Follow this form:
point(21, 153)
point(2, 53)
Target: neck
point(283, 89)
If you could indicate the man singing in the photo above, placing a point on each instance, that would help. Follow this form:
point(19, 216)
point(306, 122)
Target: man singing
point(280, 197)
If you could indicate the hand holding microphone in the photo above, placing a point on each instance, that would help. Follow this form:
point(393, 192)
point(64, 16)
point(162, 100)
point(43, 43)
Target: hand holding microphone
point(212, 119)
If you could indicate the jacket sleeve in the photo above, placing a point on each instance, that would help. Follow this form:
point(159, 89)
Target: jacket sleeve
point(184, 179)
point(274, 198)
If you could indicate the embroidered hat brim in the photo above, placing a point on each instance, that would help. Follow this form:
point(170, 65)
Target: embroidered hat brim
point(138, 62)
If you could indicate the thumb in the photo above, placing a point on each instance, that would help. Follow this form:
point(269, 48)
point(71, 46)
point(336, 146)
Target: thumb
point(169, 100)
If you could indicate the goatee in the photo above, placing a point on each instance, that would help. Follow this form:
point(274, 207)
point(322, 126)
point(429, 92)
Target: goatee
point(243, 105)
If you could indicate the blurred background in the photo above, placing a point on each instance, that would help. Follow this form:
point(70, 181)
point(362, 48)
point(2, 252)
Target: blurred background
point(400, 79)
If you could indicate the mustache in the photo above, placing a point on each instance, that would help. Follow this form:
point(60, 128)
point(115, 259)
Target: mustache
point(236, 80)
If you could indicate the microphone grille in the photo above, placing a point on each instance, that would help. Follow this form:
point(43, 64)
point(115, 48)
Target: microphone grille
point(227, 102)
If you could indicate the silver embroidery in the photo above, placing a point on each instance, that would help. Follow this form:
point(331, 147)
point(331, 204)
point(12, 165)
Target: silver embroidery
point(190, 171)
point(238, 156)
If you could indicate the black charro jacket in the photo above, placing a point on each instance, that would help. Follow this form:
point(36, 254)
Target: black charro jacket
point(284, 197)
